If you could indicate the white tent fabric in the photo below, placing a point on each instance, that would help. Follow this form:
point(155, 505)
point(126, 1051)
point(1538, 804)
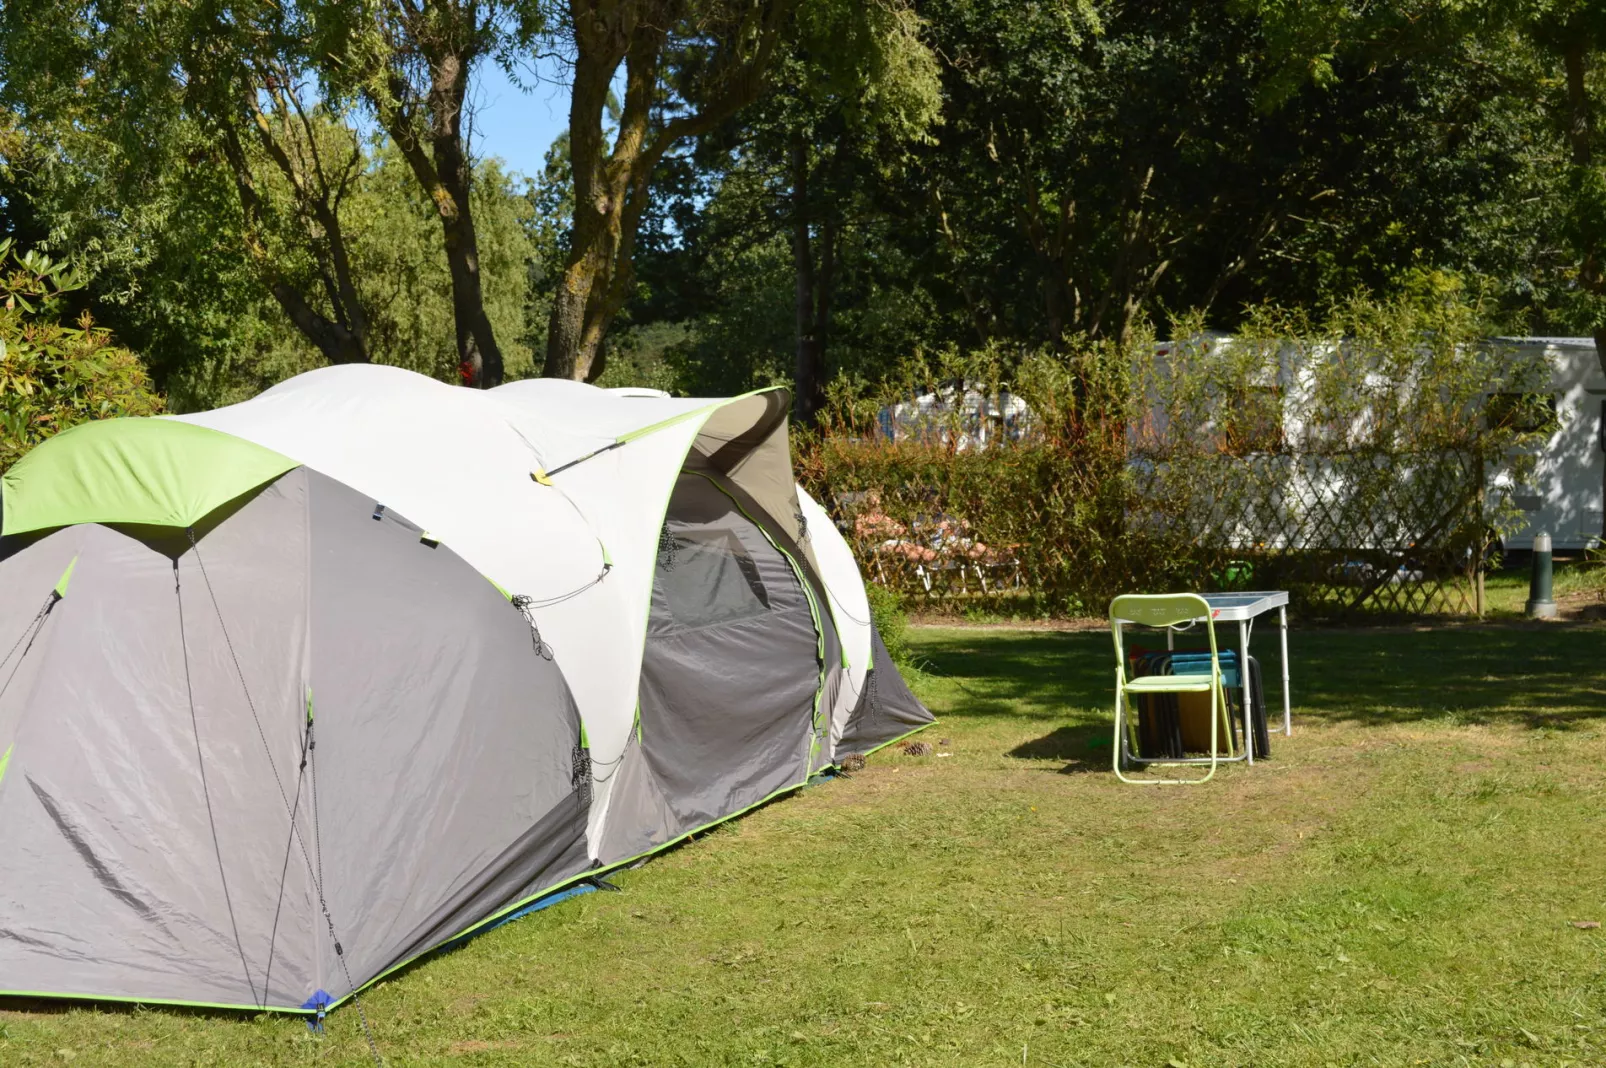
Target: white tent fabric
point(624, 492)
point(850, 607)
point(462, 465)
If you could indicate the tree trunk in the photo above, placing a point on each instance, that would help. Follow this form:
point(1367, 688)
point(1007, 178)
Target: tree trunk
point(341, 339)
point(589, 294)
point(479, 356)
point(598, 270)
point(447, 176)
point(810, 375)
point(337, 343)
point(611, 186)
point(575, 329)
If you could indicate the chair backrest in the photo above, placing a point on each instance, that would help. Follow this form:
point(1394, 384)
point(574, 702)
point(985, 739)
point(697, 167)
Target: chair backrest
point(1160, 610)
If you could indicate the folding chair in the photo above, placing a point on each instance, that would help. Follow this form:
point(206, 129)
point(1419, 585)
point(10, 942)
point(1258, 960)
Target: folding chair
point(1166, 610)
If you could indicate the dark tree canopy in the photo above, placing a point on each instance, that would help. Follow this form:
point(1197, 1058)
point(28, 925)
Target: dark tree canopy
point(803, 191)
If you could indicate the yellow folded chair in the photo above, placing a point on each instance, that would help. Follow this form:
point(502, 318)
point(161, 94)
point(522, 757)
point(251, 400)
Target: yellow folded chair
point(1167, 610)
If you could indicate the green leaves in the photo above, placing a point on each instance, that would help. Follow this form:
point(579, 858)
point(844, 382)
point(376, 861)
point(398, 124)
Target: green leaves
point(54, 376)
point(34, 282)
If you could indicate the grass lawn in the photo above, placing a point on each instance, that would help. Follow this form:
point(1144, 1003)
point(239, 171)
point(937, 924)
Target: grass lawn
point(1575, 585)
point(1396, 887)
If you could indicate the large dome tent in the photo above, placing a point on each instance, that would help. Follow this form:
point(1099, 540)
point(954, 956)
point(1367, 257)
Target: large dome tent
point(308, 686)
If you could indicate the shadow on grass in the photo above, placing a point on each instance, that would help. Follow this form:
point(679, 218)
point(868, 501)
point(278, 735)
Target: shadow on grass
point(1523, 675)
point(1084, 747)
point(1040, 675)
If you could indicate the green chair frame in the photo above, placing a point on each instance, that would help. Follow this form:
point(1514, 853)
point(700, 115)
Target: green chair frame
point(1166, 610)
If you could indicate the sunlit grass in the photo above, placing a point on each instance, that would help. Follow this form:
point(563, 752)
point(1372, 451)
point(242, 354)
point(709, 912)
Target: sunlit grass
point(1397, 886)
point(1507, 591)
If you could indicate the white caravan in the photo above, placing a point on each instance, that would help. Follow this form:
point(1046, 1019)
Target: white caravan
point(1563, 496)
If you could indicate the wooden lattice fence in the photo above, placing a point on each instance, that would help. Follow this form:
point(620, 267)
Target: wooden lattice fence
point(1353, 471)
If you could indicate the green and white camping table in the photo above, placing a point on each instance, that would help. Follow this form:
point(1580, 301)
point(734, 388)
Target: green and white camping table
point(1242, 608)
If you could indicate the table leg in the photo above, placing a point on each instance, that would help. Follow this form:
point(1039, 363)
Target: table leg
point(1243, 677)
point(1288, 708)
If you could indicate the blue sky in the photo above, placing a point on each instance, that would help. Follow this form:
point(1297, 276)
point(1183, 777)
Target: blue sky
point(516, 124)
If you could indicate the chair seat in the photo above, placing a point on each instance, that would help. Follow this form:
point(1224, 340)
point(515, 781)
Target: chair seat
point(1169, 684)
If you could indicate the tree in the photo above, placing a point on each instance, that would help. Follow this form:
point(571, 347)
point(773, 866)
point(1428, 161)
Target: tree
point(413, 289)
point(232, 79)
point(1536, 52)
point(1093, 170)
point(850, 87)
point(412, 64)
point(688, 65)
point(53, 376)
point(1112, 157)
point(1573, 32)
point(858, 83)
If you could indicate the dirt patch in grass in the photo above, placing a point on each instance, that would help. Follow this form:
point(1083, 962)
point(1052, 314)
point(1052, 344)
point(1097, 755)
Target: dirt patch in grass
point(477, 1046)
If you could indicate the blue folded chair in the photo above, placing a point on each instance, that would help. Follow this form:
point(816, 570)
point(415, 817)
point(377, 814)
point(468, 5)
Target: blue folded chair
point(1197, 662)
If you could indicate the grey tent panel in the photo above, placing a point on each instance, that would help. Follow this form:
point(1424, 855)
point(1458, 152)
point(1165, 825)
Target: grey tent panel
point(30, 571)
point(150, 854)
point(444, 739)
point(729, 680)
point(887, 709)
point(126, 872)
point(801, 556)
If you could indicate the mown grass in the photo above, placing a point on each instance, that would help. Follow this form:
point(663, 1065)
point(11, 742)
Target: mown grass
point(1396, 887)
point(1578, 582)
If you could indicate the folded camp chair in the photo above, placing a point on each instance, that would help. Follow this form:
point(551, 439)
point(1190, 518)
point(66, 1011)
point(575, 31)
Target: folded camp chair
point(1165, 610)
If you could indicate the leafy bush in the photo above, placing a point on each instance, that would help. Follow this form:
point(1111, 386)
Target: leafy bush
point(1036, 517)
point(1347, 461)
point(53, 376)
point(887, 611)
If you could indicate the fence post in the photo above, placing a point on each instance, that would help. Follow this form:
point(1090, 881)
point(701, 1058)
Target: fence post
point(1540, 603)
point(1482, 548)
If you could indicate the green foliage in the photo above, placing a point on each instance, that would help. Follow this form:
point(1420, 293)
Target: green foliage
point(223, 339)
point(1092, 165)
point(638, 356)
point(964, 174)
point(745, 340)
point(53, 376)
point(1347, 460)
point(891, 621)
point(865, 64)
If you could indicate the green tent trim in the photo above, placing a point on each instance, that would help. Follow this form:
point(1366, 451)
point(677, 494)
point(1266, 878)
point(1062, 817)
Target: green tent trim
point(62, 583)
point(704, 412)
point(151, 472)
